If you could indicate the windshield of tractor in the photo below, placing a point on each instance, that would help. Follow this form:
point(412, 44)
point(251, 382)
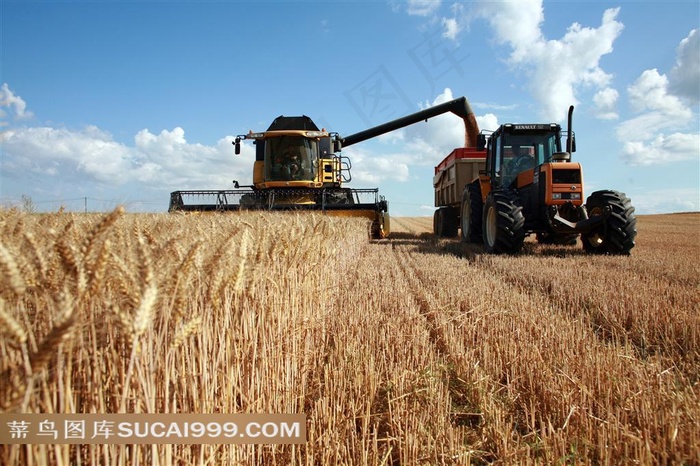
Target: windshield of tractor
point(521, 152)
point(290, 158)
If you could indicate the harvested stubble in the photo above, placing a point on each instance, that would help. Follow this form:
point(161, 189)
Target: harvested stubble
point(407, 351)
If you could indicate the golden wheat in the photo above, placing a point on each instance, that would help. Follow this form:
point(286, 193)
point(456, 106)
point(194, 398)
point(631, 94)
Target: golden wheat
point(411, 350)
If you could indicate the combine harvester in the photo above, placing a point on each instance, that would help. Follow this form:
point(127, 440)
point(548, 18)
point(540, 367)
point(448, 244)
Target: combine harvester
point(520, 180)
point(299, 167)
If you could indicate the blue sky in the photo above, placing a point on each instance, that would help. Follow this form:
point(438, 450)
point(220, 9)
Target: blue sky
point(123, 102)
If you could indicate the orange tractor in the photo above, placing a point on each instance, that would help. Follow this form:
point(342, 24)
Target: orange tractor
point(520, 180)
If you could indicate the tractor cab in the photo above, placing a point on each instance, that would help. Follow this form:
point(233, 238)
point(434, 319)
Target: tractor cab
point(514, 149)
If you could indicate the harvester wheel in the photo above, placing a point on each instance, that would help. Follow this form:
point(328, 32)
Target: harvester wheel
point(503, 223)
point(445, 222)
point(472, 213)
point(617, 233)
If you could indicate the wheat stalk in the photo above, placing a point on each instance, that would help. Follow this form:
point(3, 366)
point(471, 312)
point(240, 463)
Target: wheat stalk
point(242, 257)
point(144, 313)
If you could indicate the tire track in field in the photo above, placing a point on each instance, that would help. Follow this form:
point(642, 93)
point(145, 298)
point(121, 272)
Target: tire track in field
point(464, 401)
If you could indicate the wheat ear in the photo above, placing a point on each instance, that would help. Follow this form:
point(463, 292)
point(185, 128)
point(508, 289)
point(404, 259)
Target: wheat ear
point(11, 271)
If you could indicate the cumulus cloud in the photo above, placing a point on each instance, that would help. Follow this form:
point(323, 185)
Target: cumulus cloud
point(91, 158)
point(656, 134)
point(650, 92)
point(558, 70)
point(12, 105)
point(91, 154)
point(605, 102)
point(662, 148)
point(684, 78)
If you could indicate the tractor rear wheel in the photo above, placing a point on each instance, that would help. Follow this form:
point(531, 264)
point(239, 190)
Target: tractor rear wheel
point(472, 213)
point(617, 233)
point(503, 223)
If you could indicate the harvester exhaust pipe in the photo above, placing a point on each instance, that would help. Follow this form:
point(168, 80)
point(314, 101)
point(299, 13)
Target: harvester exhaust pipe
point(570, 134)
point(459, 107)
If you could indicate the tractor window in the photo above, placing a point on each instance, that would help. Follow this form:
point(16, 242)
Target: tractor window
point(521, 152)
point(496, 149)
point(290, 158)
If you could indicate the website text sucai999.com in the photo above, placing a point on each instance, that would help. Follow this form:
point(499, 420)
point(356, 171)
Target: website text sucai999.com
point(152, 428)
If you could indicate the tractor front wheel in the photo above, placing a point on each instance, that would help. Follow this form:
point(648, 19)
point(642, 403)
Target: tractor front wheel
point(616, 234)
point(503, 223)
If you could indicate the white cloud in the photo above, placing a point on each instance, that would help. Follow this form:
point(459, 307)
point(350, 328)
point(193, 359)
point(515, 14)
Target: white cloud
point(422, 7)
point(166, 160)
point(370, 168)
point(558, 70)
point(14, 104)
point(452, 28)
point(488, 121)
point(650, 92)
point(605, 101)
point(685, 75)
point(646, 139)
point(662, 149)
point(659, 201)
point(516, 24)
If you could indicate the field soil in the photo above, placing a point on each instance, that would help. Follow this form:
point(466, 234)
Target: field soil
point(410, 350)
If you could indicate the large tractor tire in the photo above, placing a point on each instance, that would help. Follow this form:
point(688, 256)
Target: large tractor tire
point(472, 213)
point(503, 223)
point(445, 223)
point(617, 233)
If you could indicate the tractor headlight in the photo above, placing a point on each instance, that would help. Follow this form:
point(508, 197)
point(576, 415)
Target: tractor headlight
point(576, 196)
point(556, 195)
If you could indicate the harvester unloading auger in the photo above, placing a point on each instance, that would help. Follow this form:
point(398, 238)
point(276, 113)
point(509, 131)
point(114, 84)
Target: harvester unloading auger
point(299, 167)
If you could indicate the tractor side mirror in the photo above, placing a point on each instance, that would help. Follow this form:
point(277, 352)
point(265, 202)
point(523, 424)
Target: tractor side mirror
point(237, 145)
point(573, 143)
point(481, 141)
point(337, 145)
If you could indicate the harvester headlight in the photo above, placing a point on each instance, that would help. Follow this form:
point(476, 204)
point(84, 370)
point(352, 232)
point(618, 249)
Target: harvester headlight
point(315, 134)
point(556, 195)
point(255, 135)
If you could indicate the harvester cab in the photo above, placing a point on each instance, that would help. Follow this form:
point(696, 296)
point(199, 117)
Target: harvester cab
point(295, 153)
point(530, 185)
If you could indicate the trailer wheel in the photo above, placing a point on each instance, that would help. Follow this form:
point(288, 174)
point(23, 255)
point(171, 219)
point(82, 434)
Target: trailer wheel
point(617, 233)
point(445, 222)
point(472, 213)
point(503, 223)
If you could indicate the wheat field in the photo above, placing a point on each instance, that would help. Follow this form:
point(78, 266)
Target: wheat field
point(408, 351)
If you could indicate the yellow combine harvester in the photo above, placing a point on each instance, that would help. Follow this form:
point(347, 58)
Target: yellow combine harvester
point(299, 167)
